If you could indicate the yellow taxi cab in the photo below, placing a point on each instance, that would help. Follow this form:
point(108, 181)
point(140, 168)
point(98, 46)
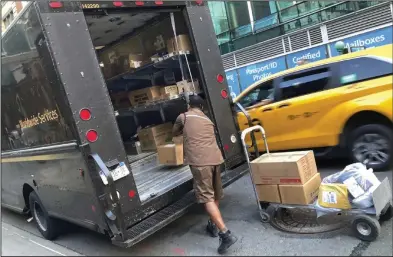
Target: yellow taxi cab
point(341, 105)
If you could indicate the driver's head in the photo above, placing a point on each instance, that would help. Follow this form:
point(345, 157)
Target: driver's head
point(195, 101)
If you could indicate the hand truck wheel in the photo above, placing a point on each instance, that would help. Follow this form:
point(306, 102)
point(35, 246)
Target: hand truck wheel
point(265, 217)
point(366, 228)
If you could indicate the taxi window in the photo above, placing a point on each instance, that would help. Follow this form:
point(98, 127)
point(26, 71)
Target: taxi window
point(263, 92)
point(364, 68)
point(307, 82)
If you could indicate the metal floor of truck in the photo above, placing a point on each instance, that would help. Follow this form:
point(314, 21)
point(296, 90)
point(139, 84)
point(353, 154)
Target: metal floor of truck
point(153, 179)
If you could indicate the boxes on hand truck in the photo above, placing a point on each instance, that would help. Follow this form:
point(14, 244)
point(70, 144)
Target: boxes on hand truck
point(288, 177)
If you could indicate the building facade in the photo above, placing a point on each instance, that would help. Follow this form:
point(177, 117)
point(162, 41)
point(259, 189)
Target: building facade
point(260, 38)
point(9, 10)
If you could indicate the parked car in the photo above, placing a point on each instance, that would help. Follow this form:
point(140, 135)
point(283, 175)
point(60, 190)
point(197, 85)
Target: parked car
point(342, 103)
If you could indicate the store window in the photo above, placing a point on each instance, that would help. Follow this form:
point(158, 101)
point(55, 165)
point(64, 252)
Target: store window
point(289, 13)
point(285, 4)
point(264, 14)
point(308, 6)
point(219, 16)
point(238, 14)
point(338, 10)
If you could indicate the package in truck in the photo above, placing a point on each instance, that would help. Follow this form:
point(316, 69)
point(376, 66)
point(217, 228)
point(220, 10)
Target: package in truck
point(171, 153)
point(301, 194)
point(183, 44)
point(144, 95)
point(169, 91)
point(153, 136)
point(284, 168)
point(185, 86)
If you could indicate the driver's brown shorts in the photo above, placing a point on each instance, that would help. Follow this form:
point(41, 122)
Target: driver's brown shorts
point(207, 183)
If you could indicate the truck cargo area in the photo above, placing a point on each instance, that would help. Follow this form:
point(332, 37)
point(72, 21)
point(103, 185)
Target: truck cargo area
point(148, 63)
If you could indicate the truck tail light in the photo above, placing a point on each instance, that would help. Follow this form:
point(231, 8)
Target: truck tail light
point(91, 135)
point(224, 93)
point(55, 4)
point(220, 78)
point(159, 2)
point(85, 114)
point(131, 193)
point(118, 4)
point(139, 3)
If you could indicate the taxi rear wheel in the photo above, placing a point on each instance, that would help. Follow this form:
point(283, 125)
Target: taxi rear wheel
point(372, 145)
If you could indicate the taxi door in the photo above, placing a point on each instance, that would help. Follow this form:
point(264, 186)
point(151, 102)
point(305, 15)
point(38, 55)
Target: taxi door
point(303, 102)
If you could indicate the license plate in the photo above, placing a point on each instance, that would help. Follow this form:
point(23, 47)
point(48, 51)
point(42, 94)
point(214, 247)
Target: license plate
point(120, 172)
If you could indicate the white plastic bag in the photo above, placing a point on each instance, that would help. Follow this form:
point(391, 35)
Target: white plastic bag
point(361, 183)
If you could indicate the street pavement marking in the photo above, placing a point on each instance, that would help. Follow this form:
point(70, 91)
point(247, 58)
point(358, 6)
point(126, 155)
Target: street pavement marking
point(50, 249)
point(34, 242)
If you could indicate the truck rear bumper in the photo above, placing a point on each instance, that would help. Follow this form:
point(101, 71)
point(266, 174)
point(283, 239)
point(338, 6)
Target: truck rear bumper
point(160, 219)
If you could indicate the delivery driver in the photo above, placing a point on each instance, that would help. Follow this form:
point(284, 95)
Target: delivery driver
point(204, 157)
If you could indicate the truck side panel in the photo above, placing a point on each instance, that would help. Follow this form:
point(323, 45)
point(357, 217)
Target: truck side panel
point(76, 61)
point(39, 148)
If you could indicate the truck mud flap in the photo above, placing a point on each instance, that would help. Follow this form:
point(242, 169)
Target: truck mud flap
point(172, 212)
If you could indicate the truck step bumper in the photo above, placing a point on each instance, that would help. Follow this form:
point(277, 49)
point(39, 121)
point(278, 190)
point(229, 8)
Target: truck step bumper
point(174, 211)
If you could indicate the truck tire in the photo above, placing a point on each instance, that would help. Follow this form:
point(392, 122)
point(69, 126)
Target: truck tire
point(45, 224)
point(372, 142)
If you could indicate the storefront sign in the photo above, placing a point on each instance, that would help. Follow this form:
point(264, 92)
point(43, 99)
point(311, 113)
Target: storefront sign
point(255, 72)
point(368, 40)
point(233, 83)
point(310, 55)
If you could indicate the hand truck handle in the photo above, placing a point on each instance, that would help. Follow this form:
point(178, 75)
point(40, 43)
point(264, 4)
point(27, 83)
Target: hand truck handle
point(253, 128)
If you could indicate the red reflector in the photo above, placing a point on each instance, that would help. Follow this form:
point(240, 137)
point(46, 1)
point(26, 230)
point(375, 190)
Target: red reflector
point(224, 93)
point(199, 2)
point(220, 78)
point(91, 135)
point(55, 4)
point(159, 2)
point(131, 193)
point(226, 147)
point(85, 114)
point(118, 4)
point(139, 3)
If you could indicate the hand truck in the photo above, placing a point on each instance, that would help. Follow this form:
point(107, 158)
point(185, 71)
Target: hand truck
point(365, 222)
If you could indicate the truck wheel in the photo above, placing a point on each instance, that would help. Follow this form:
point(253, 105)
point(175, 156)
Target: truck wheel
point(372, 145)
point(45, 224)
point(366, 228)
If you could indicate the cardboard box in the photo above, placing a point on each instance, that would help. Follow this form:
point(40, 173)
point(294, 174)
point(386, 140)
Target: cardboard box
point(143, 96)
point(268, 193)
point(185, 86)
point(152, 137)
point(170, 154)
point(184, 44)
point(301, 194)
point(169, 91)
point(284, 168)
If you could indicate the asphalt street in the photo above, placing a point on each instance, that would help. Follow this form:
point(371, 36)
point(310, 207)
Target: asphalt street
point(186, 236)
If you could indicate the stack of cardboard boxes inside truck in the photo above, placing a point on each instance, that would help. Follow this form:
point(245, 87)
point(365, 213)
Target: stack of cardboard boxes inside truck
point(288, 177)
